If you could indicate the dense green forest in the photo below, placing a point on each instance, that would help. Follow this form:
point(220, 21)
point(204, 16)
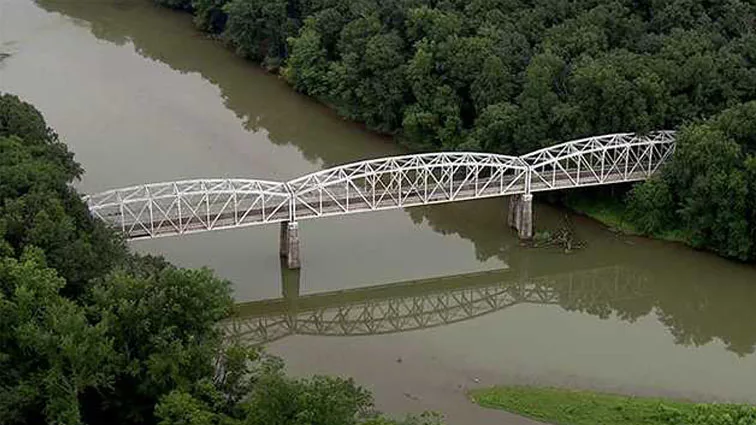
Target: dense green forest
point(510, 76)
point(707, 195)
point(93, 334)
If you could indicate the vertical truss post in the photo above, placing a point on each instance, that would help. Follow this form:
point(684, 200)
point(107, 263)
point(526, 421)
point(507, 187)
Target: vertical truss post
point(122, 217)
point(528, 178)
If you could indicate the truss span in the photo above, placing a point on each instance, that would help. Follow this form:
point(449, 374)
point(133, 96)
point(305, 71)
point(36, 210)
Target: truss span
point(176, 208)
point(614, 158)
point(405, 181)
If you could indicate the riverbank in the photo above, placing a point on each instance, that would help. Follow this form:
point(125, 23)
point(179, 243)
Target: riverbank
point(567, 407)
point(612, 213)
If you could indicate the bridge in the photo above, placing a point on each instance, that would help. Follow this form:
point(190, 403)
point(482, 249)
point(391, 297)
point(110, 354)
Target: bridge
point(426, 303)
point(183, 207)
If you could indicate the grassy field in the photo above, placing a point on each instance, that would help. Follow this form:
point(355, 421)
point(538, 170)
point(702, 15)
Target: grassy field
point(566, 407)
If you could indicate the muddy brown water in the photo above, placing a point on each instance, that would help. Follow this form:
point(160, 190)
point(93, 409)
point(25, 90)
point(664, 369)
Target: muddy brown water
point(140, 97)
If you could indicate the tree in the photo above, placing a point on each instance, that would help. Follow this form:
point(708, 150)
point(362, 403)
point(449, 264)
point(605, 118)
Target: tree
point(258, 29)
point(307, 67)
point(164, 327)
point(652, 207)
point(21, 119)
point(320, 400)
point(51, 354)
point(707, 191)
point(616, 92)
point(38, 206)
point(209, 15)
point(369, 81)
point(494, 84)
point(495, 129)
point(540, 101)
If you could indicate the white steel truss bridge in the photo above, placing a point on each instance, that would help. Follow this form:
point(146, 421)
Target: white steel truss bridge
point(183, 207)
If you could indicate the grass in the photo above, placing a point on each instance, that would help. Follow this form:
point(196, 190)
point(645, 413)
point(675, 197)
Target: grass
point(611, 212)
point(567, 407)
point(608, 211)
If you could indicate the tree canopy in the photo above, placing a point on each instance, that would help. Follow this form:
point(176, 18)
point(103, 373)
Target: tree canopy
point(435, 72)
point(708, 193)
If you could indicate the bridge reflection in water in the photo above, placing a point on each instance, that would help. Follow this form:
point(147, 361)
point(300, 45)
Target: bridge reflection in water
point(420, 304)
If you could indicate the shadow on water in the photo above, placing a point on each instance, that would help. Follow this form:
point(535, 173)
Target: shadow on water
point(698, 297)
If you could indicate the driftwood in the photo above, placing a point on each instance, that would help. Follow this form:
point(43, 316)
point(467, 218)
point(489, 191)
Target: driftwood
point(562, 237)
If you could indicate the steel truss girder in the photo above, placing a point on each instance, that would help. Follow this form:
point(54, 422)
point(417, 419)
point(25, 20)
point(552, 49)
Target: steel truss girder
point(405, 181)
point(176, 208)
point(614, 158)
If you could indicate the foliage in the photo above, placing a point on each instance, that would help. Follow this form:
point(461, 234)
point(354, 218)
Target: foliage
point(587, 408)
point(163, 327)
point(23, 120)
point(209, 15)
point(258, 29)
point(316, 401)
point(90, 333)
point(431, 72)
point(50, 353)
point(38, 206)
point(708, 191)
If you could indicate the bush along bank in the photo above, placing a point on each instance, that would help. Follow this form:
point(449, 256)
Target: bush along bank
point(510, 76)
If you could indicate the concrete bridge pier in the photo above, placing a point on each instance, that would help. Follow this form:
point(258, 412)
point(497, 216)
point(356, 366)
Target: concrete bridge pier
point(512, 213)
point(289, 244)
point(520, 216)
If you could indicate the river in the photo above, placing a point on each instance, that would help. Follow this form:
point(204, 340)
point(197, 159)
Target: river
point(140, 96)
